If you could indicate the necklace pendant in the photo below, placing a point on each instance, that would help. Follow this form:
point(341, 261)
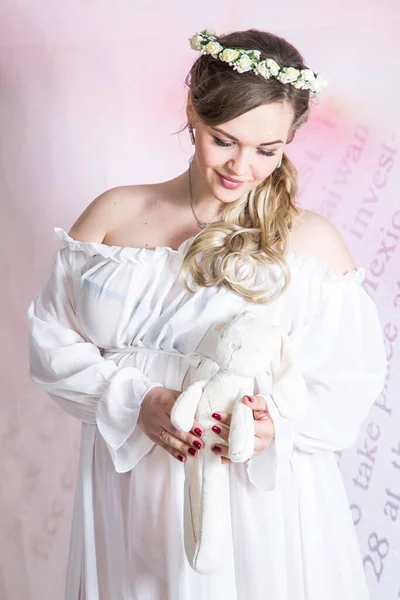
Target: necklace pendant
point(201, 224)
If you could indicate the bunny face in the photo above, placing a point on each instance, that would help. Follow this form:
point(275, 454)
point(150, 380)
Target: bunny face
point(246, 345)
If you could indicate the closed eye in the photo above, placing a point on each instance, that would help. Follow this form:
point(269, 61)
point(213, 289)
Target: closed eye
point(225, 144)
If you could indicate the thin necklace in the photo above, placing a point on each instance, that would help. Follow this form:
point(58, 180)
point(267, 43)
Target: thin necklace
point(201, 224)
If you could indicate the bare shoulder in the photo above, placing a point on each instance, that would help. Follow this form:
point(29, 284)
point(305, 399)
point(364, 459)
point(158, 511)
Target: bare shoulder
point(105, 211)
point(317, 236)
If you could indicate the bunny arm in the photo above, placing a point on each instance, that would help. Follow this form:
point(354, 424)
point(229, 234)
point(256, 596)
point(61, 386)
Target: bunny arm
point(241, 434)
point(184, 408)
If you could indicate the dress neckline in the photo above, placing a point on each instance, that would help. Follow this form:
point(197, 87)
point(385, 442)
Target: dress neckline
point(62, 234)
point(304, 263)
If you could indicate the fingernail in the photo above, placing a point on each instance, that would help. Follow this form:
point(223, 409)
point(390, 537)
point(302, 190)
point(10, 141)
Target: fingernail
point(216, 416)
point(216, 429)
point(180, 458)
point(192, 451)
point(216, 449)
point(249, 399)
point(198, 431)
point(197, 445)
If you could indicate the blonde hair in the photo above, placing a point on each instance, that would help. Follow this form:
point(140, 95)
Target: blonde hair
point(254, 229)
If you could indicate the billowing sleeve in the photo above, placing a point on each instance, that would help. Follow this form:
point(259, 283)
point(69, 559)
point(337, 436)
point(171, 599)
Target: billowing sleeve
point(342, 359)
point(75, 375)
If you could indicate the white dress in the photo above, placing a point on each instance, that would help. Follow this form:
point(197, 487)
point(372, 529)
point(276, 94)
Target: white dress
point(292, 532)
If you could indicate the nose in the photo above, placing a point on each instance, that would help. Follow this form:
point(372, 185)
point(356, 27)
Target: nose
point(238, 165)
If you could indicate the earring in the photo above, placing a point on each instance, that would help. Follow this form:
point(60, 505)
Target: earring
point(280, 162)
point(191, 134)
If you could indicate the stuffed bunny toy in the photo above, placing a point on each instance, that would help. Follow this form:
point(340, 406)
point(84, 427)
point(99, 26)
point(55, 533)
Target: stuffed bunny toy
point(245, 347)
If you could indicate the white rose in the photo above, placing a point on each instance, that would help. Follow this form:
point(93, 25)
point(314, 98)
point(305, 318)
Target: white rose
point(291, 74)
point(229, 55)
point(195, 42)
point(262, 69)
point(272, 66)
point(213, 48)
point(282, 77)
point(244, 64)
point(288, 75)
point(318, 84)
point(209, 32)
point(308, 75)
point(256, 53)
point(300, 84)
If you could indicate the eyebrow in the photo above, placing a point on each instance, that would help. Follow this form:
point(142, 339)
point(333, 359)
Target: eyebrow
point(236, 140)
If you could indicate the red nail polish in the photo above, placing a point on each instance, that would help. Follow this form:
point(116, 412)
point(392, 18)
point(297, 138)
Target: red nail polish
point(198, 431)
point(180, 458)
point(249, 399)
point(197, 445)
point(216, 429)
point(216, 449)
point(192, 451)
point(216, 416)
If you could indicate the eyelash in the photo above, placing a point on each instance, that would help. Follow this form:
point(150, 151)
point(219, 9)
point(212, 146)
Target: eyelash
point(224, 144)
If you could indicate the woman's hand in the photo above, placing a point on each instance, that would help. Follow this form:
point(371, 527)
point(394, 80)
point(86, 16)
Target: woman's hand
point(263, 425)
point(154, 420)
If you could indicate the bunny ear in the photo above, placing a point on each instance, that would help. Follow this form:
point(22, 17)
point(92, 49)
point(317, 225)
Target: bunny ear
point(289, 391)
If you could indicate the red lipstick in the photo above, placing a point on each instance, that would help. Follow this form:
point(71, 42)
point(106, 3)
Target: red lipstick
point(228, 182)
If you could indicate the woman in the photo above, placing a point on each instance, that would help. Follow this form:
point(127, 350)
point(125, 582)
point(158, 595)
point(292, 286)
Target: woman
point(143, 276)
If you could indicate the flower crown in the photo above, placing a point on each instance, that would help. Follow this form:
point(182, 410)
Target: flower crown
point(249, 60)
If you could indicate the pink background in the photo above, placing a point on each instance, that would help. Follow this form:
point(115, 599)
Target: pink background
point(91, 93)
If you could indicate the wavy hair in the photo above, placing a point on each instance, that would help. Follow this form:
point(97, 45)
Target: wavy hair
point(254, 229)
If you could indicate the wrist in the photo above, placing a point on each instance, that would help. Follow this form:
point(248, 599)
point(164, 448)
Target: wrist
point(150, 392)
